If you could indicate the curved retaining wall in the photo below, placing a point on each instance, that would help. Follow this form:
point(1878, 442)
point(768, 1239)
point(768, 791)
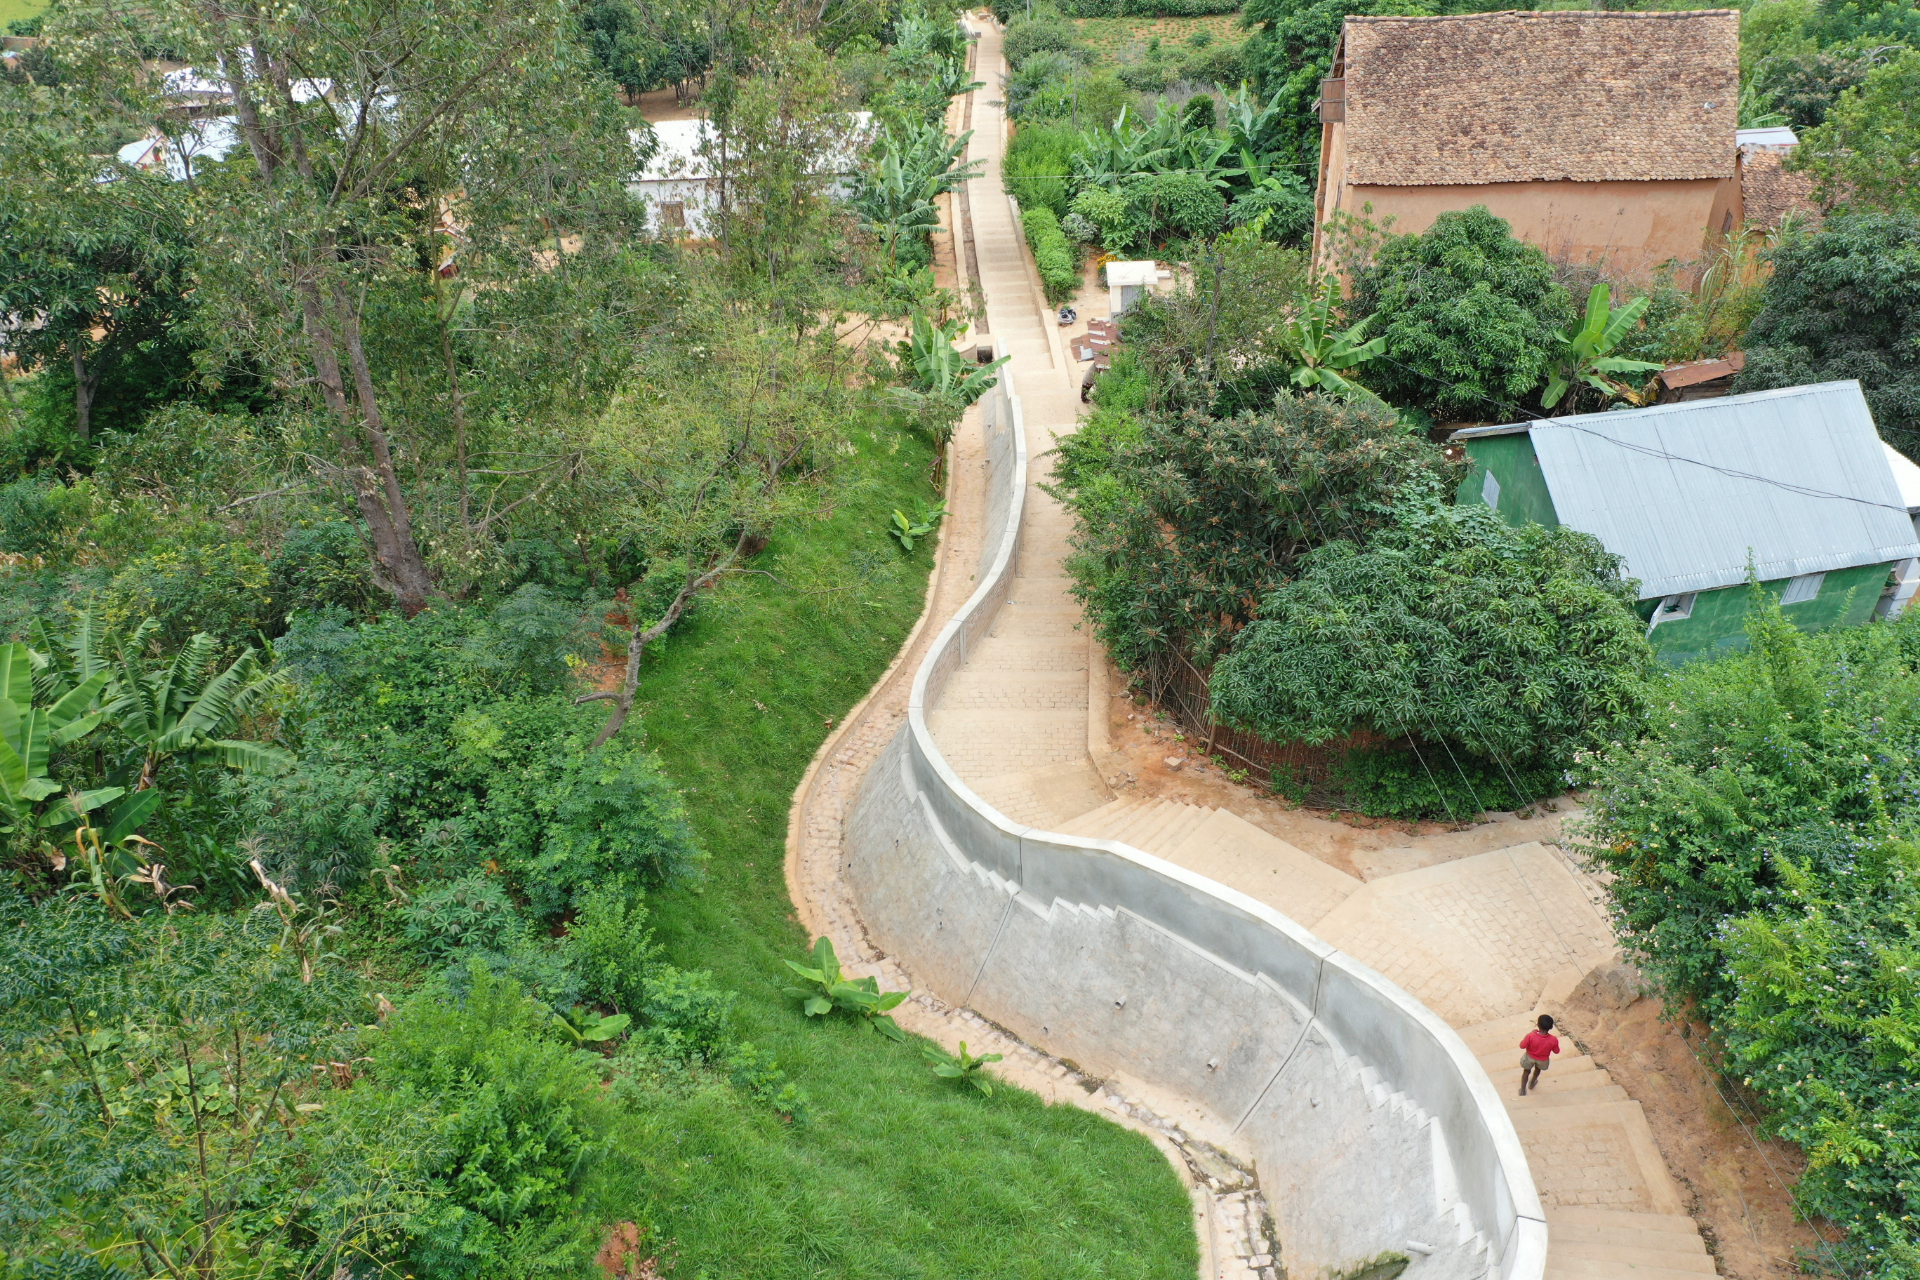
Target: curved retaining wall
point(1372, 1126)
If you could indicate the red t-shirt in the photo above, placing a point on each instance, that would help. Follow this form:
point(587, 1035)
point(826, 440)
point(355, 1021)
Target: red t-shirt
point(1538, 1044)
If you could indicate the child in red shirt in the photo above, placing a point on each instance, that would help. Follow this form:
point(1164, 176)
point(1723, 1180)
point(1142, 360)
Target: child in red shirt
point(1536, 1048)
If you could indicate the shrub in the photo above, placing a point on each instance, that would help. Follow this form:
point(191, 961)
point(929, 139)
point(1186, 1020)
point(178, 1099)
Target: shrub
point(1035, 166)
point(1512, 647)
point(473, 911)
point(1426, 782)
point(1182, 529)
point(318, 825)
point(525, 642)
point(1469, 314)
point(1845, 303)
point(1121, 223)
point(1183, 203)
point(520, 1127)
point(1042, 89)
point(322, 566)
point(1862, 153)
point(33, 517)
point(1760, 835)
point(609, 946)
point(686, 1014)
point(217, 587)
point(1055, 258)
point(1028, 36)
point(1285, 199)
point(618, 822)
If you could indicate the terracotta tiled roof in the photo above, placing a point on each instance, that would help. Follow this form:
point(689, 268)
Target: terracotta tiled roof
point(1770, 193)
point(1517, 97)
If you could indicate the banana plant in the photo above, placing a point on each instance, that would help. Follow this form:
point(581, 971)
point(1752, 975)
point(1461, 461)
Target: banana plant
point(1254, 126)
point(1326, 355)
point(29, 733)
point(1584, 360)
point(586, 1027)
point(178, 710)
point(827, 989)
point(961, 1066)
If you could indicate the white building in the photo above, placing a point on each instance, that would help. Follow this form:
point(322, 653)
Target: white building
point(679, 183)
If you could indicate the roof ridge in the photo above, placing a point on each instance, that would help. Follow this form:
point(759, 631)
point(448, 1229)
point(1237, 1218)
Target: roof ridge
point(1541, 15)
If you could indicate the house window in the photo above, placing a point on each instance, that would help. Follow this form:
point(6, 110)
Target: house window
point(1672, 609)
point(1490, 491)
point(1803, 588)
point(673, 213)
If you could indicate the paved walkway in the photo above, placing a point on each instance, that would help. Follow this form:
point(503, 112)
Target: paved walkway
point(1482, 940)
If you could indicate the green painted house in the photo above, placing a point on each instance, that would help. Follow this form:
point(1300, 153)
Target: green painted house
point(1794, 483)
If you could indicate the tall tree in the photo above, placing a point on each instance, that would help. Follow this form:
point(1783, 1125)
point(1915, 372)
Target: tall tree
point(89, 269)
point(373, 132)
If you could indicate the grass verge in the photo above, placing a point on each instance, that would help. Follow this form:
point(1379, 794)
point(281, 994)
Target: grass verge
point(896, 1173)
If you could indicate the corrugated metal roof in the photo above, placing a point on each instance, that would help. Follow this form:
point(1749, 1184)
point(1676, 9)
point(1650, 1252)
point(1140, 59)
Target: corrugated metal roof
point(1795, 480)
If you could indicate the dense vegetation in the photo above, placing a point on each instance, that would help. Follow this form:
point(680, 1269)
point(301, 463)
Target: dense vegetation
point(1504, 651)
point(1759, 824)
point(428, 590)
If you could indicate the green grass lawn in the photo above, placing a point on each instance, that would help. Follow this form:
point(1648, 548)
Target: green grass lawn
point(897, 1173)
point(13, 9)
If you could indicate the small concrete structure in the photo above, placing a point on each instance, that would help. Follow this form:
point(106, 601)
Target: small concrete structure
point(1128, 282)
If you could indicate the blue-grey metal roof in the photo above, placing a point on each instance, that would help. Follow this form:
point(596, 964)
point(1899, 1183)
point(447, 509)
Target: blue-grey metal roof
point(1794, 480)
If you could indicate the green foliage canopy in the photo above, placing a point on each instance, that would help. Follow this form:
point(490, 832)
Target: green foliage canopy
point(1470, 315)
point(1184, 523)
point(1517, 646)
point(1845, 303)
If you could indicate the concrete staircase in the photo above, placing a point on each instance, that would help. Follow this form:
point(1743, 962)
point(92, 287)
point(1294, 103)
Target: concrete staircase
point(1222, 847)
point(1612, 1208)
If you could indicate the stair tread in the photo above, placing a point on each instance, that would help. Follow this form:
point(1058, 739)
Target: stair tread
point(1560, 1252)
point(1579, 1215)
point(1568, 1098)
point(1567, 1235)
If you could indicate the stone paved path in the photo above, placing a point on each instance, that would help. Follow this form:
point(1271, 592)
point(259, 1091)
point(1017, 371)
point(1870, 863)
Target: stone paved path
point(1486, 941)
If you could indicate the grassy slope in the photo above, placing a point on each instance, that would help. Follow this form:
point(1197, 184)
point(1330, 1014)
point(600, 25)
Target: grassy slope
point(1116, 39)
point(12, 9)
point(898, 1173)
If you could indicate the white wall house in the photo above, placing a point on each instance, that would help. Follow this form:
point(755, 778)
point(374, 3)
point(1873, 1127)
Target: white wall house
point(679, 183)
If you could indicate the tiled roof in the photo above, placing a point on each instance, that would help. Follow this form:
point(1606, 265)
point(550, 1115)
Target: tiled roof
point(1518, 97)
point(1771, 193)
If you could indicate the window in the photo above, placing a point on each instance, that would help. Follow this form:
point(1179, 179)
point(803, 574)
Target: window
point(1803, 588)
point(673, 213)
point(1490, 491)
point(1672, 609)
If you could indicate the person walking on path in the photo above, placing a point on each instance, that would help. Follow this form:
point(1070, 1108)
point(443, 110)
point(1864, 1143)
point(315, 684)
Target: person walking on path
point(1536, 1048)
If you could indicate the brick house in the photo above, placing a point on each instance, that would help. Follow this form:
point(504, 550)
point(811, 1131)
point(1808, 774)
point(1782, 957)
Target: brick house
point(1600, 137)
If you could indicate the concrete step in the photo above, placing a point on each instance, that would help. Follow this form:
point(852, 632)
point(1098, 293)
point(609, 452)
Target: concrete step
point(1498, 1034)
point(974, 687)
point(1170, 837)
point(1621, 1220)
point(1231, 850)
point(1147, 818)
point(1022, 653)
point(1498, 1059)
point(1560, 1267)
point(1576, 1093)
point(1509, 1077)
point(1633, 1232)
point(1094, 822)
point(1167, 833)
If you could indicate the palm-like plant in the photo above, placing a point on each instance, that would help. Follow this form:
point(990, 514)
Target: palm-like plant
point(175, 709)
point(895, 198)
point(1326, 355)
point(30, 732)
point(1583, 359)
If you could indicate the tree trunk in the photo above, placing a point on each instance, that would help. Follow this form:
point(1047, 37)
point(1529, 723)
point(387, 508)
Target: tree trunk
point(83, 387)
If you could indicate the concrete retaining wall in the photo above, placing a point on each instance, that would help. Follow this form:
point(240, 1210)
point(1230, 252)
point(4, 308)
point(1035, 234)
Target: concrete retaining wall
point(1372, 1126)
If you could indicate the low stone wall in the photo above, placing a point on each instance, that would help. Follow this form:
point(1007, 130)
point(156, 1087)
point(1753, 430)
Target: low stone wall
point(1372, 1126)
